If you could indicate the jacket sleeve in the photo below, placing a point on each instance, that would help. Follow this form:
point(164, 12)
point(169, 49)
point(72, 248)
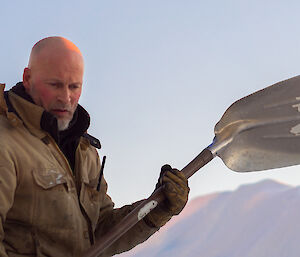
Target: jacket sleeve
point(8, 182)
point(110, 216)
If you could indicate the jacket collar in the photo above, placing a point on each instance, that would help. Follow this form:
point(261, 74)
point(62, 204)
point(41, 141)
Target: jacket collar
point(30, 114)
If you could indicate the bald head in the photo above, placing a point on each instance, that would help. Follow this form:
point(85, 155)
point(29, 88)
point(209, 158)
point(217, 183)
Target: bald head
point(52, 46)
point(54, 77)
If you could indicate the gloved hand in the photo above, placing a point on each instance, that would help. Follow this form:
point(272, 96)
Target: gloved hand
point(176, 190)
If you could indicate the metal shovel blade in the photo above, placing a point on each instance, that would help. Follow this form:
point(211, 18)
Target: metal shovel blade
point(261, 131)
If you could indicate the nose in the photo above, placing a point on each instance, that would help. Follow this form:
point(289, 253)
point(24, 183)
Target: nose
point(65, 95)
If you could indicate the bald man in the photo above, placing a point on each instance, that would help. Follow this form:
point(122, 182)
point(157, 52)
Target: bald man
point(53, 199)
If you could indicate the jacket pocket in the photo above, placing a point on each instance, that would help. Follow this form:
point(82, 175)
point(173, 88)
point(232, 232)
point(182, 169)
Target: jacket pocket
point(48, 178)
point(55, 202)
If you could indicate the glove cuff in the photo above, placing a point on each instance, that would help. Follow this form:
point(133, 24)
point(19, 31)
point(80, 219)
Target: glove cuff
point(157, 218)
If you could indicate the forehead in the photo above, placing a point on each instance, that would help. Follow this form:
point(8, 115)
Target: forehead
point(60, 64)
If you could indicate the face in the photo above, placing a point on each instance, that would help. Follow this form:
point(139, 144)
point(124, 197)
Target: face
point(55, 83)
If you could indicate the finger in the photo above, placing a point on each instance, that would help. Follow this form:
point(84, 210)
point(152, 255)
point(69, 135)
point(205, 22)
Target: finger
point(177, 176)
point(165, 168)
point(174, 187)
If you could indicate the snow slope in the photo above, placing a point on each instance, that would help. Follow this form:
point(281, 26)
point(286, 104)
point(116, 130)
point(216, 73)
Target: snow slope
point(256, 220)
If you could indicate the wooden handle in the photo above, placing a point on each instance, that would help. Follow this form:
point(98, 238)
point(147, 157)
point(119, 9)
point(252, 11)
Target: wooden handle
point(144, 208)
point(200, 160)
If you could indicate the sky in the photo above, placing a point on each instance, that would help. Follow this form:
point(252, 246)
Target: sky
point(160, 74)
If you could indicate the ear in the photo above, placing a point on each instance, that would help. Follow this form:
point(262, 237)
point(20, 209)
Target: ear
point(26, 78)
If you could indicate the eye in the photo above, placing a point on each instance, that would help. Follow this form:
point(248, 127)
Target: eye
point(74, 86)
point(53, 84)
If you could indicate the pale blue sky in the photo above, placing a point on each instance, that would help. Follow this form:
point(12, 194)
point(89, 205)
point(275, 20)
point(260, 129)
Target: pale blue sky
point(160, 74)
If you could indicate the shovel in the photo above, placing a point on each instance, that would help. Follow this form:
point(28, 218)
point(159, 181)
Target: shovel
point(258, 132)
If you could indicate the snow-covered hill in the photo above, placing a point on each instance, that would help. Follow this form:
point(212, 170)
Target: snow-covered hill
point(256, 220)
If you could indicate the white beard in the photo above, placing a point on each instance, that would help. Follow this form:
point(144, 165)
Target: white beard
point(62, 124)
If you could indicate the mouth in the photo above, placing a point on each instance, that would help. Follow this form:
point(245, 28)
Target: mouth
point(60, 112)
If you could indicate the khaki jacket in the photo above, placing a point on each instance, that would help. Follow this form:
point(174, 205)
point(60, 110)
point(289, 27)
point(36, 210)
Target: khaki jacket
point(44, 209)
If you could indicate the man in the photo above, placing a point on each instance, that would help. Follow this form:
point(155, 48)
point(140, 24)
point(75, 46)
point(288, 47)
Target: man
point(50, 201)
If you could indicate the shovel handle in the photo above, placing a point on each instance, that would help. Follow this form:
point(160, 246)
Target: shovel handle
point(196, 164)
point(144, 208)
